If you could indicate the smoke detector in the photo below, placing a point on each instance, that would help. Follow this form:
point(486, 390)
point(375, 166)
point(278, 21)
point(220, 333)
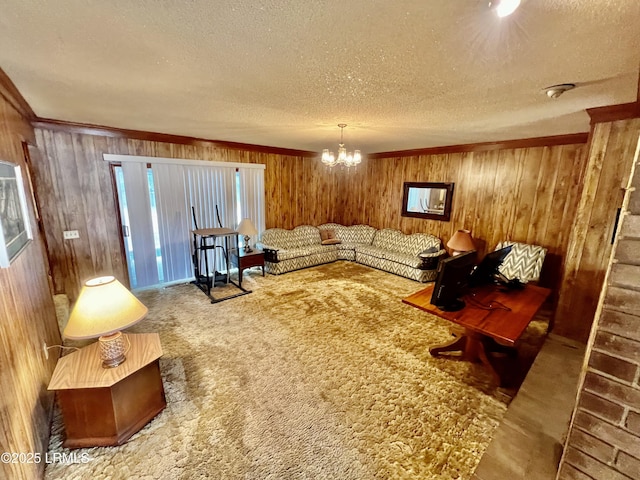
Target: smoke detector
point(554, 91)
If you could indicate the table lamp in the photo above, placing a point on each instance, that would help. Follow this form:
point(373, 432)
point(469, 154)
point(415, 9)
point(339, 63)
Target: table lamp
point(105, 307)
point(461, 242)
point(247, 229)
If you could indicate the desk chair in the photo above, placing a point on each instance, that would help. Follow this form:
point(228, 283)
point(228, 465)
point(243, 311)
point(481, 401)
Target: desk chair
point(524, 262)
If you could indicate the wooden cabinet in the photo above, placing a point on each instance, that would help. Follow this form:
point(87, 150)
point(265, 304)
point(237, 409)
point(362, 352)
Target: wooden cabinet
point(244, 260)
point(106, 406)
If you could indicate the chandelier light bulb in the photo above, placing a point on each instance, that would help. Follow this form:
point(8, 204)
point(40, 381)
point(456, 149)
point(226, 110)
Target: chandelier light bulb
point(345, 158)
point(504, 8)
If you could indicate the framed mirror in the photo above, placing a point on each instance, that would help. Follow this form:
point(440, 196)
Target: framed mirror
point(427, 200)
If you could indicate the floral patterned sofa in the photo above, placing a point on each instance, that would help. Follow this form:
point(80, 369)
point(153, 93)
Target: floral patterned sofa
point(413, 256)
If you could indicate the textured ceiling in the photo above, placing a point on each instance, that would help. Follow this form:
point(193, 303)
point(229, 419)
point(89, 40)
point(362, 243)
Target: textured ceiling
point(402, 74)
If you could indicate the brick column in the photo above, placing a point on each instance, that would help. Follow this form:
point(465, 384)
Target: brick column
point(604, 439)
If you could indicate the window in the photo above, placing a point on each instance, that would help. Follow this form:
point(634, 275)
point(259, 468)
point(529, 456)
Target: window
point(156, 196)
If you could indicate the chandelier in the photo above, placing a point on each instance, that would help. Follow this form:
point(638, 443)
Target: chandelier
point(345, 158)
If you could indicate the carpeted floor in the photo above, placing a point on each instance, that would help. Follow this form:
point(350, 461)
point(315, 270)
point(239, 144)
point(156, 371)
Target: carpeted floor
point(318, 374)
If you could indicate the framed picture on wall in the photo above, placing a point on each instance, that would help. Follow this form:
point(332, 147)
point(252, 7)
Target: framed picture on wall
point(427, 200)
point(15, 228)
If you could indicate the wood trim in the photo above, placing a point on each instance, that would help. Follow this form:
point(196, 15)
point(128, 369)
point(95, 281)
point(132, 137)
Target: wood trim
point(12, 95)
point(611, 113)
point(570, 139)
point(89, 129)
point(116, 207)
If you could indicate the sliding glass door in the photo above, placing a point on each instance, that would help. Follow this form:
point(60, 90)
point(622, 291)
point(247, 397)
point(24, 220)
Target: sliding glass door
point(157, 198)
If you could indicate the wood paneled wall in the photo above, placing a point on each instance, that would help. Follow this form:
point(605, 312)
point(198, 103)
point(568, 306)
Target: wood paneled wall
point(524, 194)
point(603, 441)
point(27, 320)
point(611, 153)
point(75, 185)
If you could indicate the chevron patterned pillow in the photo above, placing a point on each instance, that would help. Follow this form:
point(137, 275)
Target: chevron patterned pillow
point(524, 262)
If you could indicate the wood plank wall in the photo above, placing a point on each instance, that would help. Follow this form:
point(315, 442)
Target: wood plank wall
point(604, 437)
point(524, 194)
point(611, 153)
point(27, 319)
point(77, 193)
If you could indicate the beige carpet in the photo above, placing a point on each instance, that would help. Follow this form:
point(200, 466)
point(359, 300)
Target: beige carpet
point(318, 374)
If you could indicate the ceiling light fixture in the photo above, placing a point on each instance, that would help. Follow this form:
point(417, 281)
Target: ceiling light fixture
point(554, 91)
point(504, 8)
point(345, 158)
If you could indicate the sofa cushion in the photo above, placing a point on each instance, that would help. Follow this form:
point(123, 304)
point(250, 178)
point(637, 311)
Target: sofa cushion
point(281, 239)
point(372, 251)
point(412, 261)
point(288, 254)
point(352, 234)
point(397, 241)
point(331, 241)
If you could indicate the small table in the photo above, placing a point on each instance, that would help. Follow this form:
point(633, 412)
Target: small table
point(106, 406)
point(491, 313)
point(243, 260)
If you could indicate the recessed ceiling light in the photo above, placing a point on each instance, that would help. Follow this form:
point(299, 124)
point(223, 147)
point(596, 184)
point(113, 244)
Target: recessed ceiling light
point(504, 8)
point(554, 91)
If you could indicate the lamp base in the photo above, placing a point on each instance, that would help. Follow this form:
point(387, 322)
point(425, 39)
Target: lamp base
point(112, 350)
point(247, 247)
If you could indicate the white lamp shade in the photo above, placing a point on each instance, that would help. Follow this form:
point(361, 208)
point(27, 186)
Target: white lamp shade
point(247, 228)
point(104, 306)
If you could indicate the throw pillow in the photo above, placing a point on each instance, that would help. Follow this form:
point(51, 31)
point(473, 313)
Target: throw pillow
point(331, 241)
point(327, 234)
point(428, 251)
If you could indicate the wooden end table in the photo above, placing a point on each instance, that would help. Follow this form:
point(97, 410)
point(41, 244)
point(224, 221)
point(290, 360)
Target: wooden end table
point(106, 406)
point(244, 260)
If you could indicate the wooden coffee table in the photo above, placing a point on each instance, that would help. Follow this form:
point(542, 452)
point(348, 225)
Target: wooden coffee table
point(491, 314)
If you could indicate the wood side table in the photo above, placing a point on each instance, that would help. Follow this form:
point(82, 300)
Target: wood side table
point(106, 406)
point(244, 260)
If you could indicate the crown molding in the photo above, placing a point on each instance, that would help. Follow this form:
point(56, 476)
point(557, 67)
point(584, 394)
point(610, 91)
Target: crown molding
point(570, 139)
point(89, 129)
point(611, 113)
point(12, 95)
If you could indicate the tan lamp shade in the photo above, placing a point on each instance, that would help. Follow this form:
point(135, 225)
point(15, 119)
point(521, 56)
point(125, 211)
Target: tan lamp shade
point(104, 307)
point(246, 228)
point(461, 241)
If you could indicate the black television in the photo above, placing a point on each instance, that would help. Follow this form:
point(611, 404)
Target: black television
point(486, 271)
point(452, 281)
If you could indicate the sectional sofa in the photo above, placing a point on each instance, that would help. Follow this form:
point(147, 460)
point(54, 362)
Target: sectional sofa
point(413, 256)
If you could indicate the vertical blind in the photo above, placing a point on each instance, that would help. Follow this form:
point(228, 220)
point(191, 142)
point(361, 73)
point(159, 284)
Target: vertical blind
point(211, 188)
point(136, 186)
point(252, 196)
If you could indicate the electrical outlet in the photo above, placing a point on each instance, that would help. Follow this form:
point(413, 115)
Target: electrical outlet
point(46, 350)
point(71, 234)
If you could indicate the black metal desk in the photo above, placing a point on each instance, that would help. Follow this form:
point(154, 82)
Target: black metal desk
point(205, 242)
